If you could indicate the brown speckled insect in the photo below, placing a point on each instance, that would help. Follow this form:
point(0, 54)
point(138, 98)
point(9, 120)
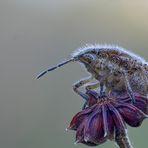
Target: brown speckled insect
point(114, 68)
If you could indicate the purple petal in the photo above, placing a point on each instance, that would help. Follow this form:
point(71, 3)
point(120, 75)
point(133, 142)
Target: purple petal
point(117, 118)
point(131, 114)
point(80, 132)
point(88, 143)
point(78, 118)
point(94, 129)
point(80, 135)
point(104, 116)
point(142, 103)
point(108, 122)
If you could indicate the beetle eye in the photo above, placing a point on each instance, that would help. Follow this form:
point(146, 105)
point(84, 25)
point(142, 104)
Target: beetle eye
point(88, 58)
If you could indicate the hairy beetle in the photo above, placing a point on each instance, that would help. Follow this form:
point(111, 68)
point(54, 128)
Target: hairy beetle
point(114, 68)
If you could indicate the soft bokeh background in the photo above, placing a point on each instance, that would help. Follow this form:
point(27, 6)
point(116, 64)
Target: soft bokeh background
point(36, 34)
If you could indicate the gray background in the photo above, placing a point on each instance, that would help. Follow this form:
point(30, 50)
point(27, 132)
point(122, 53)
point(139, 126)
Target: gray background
point(36, 34)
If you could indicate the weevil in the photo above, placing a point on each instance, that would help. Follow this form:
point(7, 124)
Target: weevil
point(114, 69)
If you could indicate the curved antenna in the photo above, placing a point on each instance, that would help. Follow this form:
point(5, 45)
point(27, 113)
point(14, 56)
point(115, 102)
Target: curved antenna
point(55, 67)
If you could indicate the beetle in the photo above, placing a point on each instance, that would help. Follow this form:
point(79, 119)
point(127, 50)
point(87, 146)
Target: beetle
point(114, 69)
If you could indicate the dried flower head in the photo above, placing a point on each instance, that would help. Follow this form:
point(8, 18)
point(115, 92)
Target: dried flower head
point(104, 116)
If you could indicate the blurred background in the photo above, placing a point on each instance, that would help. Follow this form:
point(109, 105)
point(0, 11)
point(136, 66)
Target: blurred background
point(36, 34)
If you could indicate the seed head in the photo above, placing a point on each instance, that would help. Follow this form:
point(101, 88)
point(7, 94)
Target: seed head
point(106, 115)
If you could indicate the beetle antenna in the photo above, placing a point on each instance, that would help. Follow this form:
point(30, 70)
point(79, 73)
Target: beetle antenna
point(55, 67)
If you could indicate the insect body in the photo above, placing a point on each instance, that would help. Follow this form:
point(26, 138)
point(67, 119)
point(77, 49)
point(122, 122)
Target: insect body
point(114, 68)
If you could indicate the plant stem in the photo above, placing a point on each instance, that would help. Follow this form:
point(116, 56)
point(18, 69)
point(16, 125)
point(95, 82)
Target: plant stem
point(122, 140)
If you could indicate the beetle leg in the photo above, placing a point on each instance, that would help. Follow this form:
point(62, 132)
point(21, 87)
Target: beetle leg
point(128, 87)
point(84, 105)
point(92, 86)
point(97, 85)
point(144, 76)
point(79, 84)
point(89, 87)
point(102, 89)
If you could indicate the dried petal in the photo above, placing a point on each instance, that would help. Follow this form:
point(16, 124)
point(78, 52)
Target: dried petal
point(118, 120)
point(131, 114)
point(80, 135)
point(141, 103)
point(78, 118)
point(94, 129)
point(108, 122)
point(106, 115)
